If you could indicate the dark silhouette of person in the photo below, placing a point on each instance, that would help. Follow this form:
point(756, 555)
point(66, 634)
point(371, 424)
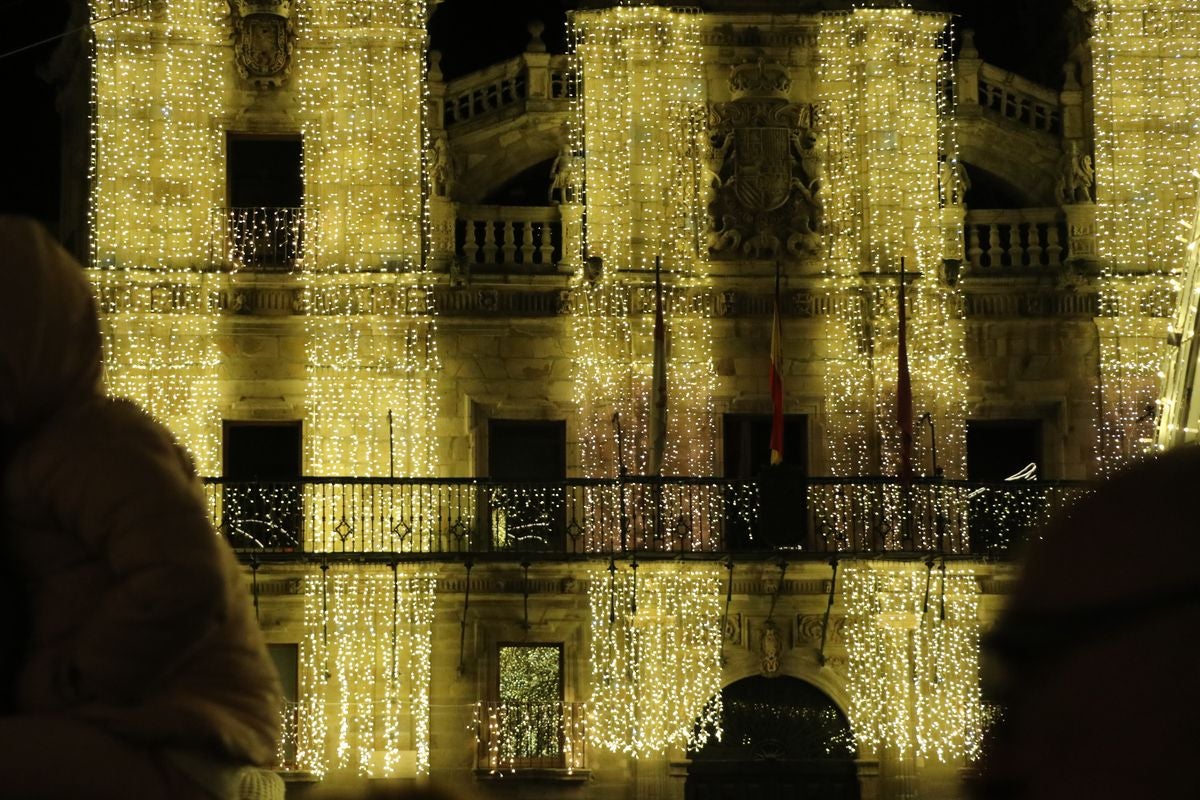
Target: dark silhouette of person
point(142, 672)
point(1095, 658)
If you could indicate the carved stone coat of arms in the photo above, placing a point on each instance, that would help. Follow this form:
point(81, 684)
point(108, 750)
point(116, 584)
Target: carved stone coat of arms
point(262, 39)
point(765, 169)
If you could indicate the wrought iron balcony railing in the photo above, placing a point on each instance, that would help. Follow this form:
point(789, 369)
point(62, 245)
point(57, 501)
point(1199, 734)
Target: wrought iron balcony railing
point(382, 517)
point(514, 736)
point(267, 239)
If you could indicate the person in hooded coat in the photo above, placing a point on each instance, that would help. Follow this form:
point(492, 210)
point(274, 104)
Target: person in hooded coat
point(138, 669)
point(1094, 660)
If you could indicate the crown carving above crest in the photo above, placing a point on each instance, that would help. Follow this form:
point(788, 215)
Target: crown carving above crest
point(760, 78)
point(276, 8)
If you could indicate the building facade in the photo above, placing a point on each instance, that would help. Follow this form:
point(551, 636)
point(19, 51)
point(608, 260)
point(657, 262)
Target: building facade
point(477, 370)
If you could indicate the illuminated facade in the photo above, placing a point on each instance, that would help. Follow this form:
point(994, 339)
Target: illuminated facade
point(406, 326)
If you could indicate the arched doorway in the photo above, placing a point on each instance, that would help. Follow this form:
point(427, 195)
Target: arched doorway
point(784, 739)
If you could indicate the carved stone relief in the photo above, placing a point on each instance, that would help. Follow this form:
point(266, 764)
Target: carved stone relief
point(765, 169)
point(263, 36)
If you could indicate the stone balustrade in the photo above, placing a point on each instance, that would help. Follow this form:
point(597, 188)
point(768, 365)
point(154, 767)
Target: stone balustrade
point(1018, 99)
point(1015, 239)
point(529, 76)
point(526, 237)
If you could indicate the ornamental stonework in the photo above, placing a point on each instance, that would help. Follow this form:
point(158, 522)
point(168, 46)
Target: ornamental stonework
point(765, 169)
point(263, 36)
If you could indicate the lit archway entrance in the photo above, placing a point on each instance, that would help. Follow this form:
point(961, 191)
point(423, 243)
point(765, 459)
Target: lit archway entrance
point(784, 739)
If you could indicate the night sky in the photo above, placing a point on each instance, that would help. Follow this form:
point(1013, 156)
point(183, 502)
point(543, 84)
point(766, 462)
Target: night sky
point(1022, 35)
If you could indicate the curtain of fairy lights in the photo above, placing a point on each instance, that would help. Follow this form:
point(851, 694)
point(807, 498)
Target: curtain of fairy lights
point(656, 670)
point(1179, 416)
point(912, 636)
point(883, 109)
point(364, 671)
point(1146, 90)
point(371, 335)
point(640, 122)
point(157, 173)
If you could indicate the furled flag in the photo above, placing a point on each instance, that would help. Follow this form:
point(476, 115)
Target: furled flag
point(904, 397)
point(658, 384)
point(776, 381)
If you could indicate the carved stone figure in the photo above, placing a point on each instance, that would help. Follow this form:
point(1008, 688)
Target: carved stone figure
point(1076, 177)
point(441, 167)
point(766, 169)
point(563, 174)
point(263, 36)
point(953, 182)
point(769, 645)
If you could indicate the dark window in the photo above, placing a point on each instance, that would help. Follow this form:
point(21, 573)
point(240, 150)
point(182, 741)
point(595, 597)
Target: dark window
point(999, 448)
point(782, 493)
point(748, 443)
point(262, 506)
point(527, 503)
point(286, 658)
point(1002, 513)
point(527, 450)
point(264, 226)
point(264, 171)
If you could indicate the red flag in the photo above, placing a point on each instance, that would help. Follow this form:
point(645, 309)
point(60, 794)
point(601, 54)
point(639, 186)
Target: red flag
point(904, 398)
point(658, 381)
point(776, 381)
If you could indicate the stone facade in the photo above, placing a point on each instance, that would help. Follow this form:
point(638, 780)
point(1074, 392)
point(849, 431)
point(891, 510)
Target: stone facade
point(497, 311)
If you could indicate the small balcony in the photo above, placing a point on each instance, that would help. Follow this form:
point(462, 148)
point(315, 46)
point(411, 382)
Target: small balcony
point(543, 737)
point(259, 239)
point(363, 518)
point(523, 239)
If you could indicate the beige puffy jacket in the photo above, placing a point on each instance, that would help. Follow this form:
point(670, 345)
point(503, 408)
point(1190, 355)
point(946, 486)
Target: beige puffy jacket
point(139, 619)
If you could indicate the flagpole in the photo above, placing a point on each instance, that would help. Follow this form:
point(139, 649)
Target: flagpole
point(658, 398)
point(904, 405)
point(776, 377)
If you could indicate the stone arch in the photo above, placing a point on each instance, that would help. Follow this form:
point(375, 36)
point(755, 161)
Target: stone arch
point(1025, 161)
point(783, 736)
point(492, 156)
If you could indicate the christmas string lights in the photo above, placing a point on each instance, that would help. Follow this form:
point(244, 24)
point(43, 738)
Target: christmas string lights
point(157, 171)
point(364, 670)
point(370, 330)
point(1146, 87)
point(1178, 411)
point(655, 657)
point(638, 121)
point(912, 637)
point(881, 79)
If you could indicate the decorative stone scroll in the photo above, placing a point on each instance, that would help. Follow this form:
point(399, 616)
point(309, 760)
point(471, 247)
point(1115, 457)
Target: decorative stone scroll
point(765, 169)
point(263, 35)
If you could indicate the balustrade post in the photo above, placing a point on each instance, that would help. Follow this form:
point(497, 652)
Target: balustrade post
point(509, 248)
point(1034, 244)
point(995, 252)
point(1071, 101)
point(966, 76)
point(537, 64)
point(572, 236)
point(1081, 233)
point(489, 241)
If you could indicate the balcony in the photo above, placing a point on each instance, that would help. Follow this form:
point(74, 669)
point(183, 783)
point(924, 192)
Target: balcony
point(259, 239)
point(543, 737)
point(380, 518)
point(526, 239)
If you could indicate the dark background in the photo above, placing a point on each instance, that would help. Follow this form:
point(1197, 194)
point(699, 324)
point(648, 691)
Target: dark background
point(1025, 36)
